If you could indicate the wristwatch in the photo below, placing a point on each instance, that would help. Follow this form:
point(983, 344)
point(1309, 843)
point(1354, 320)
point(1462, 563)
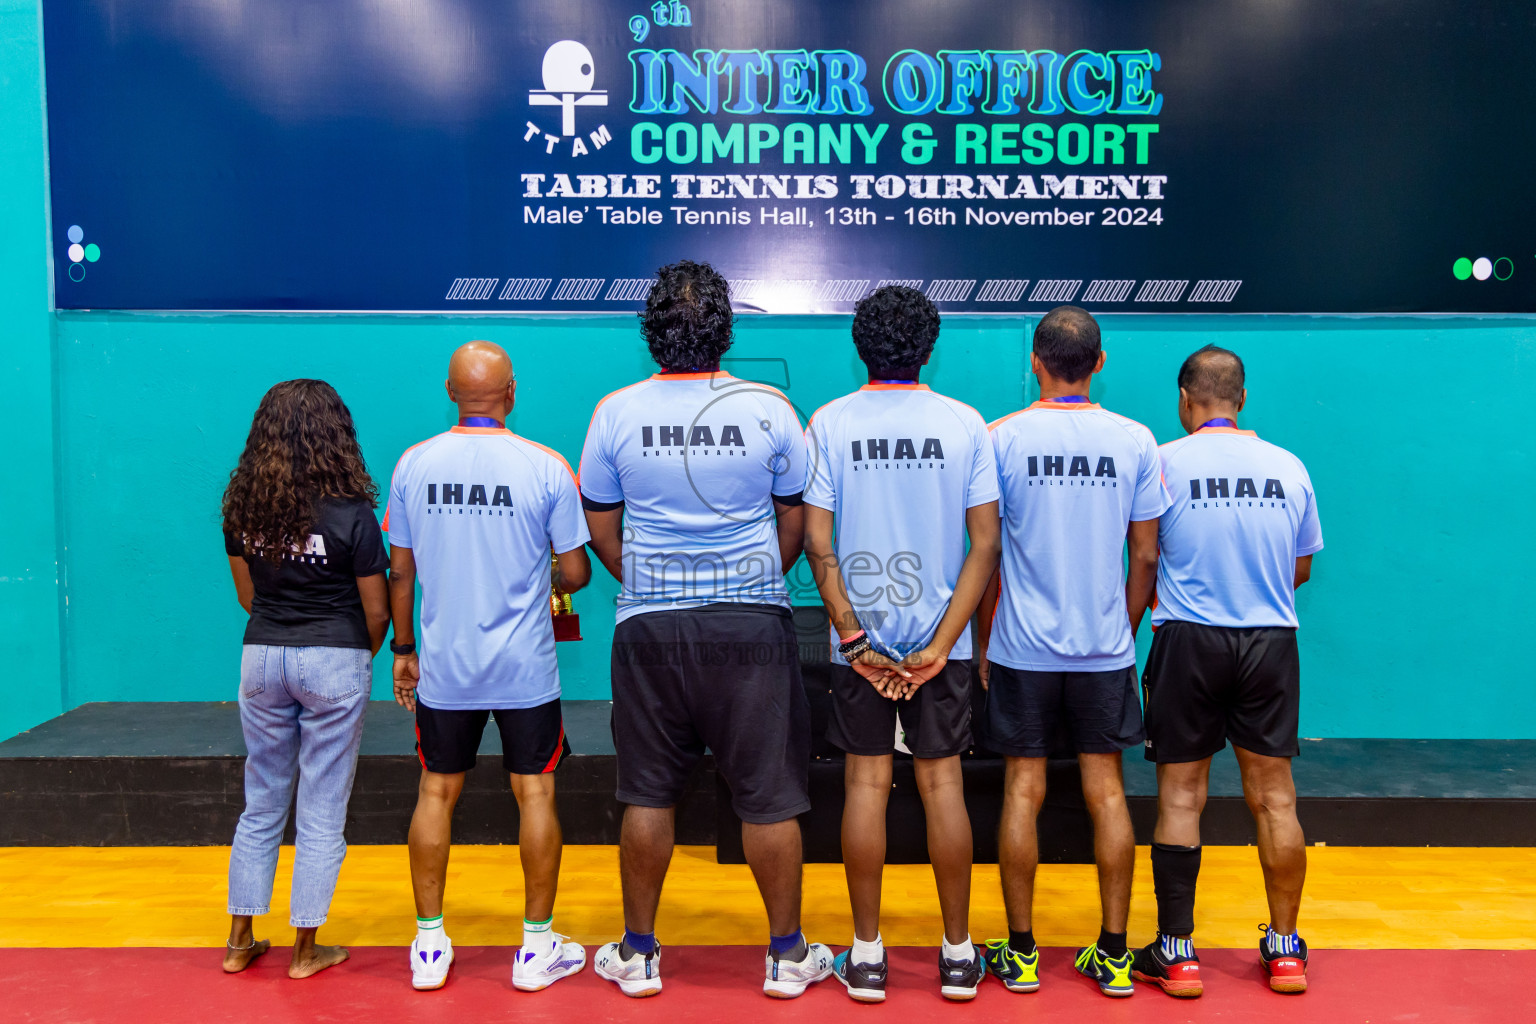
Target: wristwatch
point(401, 649)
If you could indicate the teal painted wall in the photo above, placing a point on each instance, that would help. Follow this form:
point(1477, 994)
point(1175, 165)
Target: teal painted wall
point(29, 590)
point(1418, 434)
point(1423, 483)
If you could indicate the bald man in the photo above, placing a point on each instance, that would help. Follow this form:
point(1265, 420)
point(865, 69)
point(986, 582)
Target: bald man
point(1224, 667)
point(474, 514)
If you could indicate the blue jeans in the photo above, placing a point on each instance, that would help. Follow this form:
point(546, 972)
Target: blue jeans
point(301, 709)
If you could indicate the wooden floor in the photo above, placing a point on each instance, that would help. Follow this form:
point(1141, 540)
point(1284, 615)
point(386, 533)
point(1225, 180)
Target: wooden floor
point(1357, 898)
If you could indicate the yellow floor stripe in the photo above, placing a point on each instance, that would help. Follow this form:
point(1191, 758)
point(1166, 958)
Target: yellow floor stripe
point(1357, 898)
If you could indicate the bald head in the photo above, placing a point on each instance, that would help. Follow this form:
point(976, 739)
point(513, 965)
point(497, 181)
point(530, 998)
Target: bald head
point(480, 380)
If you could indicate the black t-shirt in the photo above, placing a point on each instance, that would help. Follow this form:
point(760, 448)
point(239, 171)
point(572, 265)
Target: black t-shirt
point(311, 599)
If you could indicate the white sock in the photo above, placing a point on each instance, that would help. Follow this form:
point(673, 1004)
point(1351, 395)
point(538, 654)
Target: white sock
point(538, 936)
point(962, 951)
point(868, 952)
point(430, 933)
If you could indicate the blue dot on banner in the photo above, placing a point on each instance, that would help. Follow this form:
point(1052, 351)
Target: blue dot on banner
point(76, 233)
point(77, 272)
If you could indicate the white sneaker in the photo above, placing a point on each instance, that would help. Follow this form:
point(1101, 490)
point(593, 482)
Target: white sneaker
point(638, 976)
point(787, 979)
point(533, 971)
point(429, 967)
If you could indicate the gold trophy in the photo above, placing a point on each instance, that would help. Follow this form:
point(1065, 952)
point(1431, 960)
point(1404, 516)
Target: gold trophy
point(567, 622)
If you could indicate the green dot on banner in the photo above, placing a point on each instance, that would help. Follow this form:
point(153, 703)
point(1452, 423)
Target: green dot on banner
point(1462, 268)
point(93, 252)
point(1503, 268)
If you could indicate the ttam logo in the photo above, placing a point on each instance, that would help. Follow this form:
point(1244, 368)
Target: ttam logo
point(688, 440)
point(883, 449)
point(1221, 487)
point(568, 73)
point(469, 499)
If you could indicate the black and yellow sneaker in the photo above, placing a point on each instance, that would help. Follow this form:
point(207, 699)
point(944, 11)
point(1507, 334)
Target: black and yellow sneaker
point(1113, 975)
point(1170, 964)
point(1017, 972)
point(959, 979)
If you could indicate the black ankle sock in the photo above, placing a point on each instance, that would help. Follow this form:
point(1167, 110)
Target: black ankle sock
point(1023, 942)
point(1112, 944)
point(794, 954)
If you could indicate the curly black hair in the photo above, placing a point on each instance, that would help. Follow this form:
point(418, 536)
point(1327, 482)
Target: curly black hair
point(687, 321)
point(894, 329)
point(1067, 342)
point(302, 449)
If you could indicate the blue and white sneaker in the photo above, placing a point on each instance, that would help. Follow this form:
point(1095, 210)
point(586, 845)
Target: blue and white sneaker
point(534, 971)
point(429, 965)
point(787, 979)
point(636, 977)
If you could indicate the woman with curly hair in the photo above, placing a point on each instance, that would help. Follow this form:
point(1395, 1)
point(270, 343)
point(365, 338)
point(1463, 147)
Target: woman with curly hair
point(308, 562)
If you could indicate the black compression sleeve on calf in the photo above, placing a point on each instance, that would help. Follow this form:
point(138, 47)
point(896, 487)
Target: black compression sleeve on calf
point(1175, 869)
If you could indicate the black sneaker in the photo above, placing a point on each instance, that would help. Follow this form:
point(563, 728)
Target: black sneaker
point(865, 982)
point(1164, 964)
point(959, 979)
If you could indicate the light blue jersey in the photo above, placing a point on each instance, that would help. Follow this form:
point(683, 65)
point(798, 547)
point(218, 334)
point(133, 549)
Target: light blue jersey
point(481, 508)
point(899, 466)
point(1243, 512)
point(1074, 476)
point(696, 460)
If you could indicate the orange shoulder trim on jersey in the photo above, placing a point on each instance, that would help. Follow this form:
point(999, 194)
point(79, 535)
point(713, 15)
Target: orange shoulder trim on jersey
point(609, 395)
point(546, 448)
point(480, 430)
point(1004, 419)
point(1065, 406)
point(593, 418)
point(701, 375)
point(385, 524)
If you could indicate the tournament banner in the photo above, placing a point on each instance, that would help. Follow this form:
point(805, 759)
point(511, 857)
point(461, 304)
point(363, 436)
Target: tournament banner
point(1004, 156)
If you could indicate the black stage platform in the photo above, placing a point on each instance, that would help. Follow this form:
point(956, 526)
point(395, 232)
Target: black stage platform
point(170, 774)
point(158, 774)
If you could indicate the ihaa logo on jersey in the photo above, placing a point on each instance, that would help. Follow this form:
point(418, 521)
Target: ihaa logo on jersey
point(569, 74)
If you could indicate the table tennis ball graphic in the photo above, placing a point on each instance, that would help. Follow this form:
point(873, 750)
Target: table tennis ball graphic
point(79, 255)
point(568, 67)
point(1482, 268)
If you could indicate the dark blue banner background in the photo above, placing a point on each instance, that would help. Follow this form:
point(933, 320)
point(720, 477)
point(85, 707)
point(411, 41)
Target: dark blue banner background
point(1300, 155)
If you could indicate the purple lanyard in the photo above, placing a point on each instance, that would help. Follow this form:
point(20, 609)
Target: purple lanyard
point(1219, 421)
point(1069, 398)
point(893, 382)
point(479, 421)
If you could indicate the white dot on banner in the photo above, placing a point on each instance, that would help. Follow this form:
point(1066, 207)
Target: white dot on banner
point(77, 253)
point(1482, 268)
point(76, 233)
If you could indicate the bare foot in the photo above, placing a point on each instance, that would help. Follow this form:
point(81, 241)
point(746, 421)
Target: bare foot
point(237, 960)
point(314, 960)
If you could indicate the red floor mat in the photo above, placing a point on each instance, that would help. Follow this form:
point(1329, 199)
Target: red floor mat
point(130, 986)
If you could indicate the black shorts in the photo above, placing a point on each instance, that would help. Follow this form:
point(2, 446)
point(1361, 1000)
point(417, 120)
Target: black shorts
point(532, 739)
point(936, 721)
point(726, 677)
point(1206, 685)
point(1027, 708)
